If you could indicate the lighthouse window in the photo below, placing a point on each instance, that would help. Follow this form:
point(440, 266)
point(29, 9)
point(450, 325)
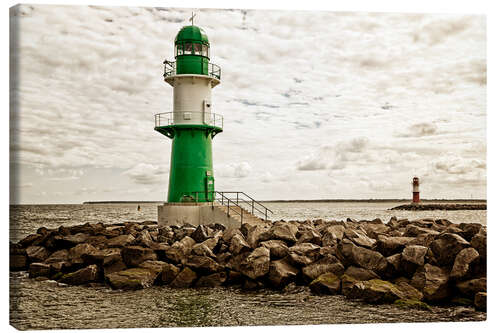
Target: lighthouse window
point(188, 48)
point(204, 50)
point(197, 49)
point(178, 49)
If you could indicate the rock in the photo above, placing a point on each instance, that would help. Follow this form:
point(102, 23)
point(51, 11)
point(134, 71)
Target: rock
point(39, 269)
point(238, 245)
point(414, 231)
point(394, 266)
point(285, 231)
point(168, 274)
point(310, 236)
point(234, 277)
point(376, 291)
point(203, 265)
point(446, 247)
point(408, 291)
point(281, 273)
point(212, 280)
point(480, 301)
point(277, 248)
point(211, 243)
point(470, 230)
point(326, 283)
point(332, 235)
point(250, 284)
point(37, 253)
point(361, 274)
point(200, 234)
point(469, 288)
point(363, 257)
point(423, 240)
point(229, 234)
point(79, 254)
point(115, 266)
point(375, 230)
point(433, 282)
point(143, 238)
point(120, 241)
point(388, 246)
point(184, 279)
point(328, 264)
point(81, 276)
point(175, 254)
point(479, 243)
point(156, 266)
point(201, 249)
point(73, 240)
point(132, 278)
point(257, 234)
point(358, 238)
point(33, 239)
point(303, 254)
point(464, 261)
point(135, 255)
point(257, 263)
point(413, 256)
point(18, 262)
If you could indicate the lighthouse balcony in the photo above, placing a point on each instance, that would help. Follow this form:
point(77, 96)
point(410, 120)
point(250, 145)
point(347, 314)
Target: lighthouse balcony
point(189, 118)
point(196, 66)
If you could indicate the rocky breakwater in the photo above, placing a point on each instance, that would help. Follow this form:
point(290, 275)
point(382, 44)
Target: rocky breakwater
point(442, 206)
point(409, 263)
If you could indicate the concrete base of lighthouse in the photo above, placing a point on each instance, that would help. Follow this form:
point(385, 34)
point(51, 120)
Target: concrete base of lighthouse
point(195, 213)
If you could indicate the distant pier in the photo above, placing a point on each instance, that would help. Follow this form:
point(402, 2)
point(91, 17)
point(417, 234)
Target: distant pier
point(442, 206)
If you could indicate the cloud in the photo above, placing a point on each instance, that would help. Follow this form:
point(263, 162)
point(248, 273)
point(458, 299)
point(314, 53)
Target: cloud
point(234, 170)
point(144, 173)
point(454, 169)
point(334, 157)
point(419, 130)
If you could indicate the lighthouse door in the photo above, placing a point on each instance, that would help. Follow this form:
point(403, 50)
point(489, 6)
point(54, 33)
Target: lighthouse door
point(209, 186)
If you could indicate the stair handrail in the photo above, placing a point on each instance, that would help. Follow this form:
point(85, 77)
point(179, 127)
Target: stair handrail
point(228, 200)
point(252, 201)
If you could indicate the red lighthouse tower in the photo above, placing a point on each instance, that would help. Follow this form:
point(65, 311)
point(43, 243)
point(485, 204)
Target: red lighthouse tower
point(416, 191)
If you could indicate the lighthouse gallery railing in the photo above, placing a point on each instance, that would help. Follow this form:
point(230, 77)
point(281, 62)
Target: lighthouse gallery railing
point(169, 69)
point(207, 118)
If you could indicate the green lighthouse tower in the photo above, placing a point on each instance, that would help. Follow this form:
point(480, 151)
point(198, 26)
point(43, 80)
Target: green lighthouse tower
point(191, 125)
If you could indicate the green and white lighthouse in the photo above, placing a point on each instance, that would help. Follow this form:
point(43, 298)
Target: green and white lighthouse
point(191, 125)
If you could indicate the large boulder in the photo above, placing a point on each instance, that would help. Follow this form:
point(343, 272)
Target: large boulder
point(376, 291)
point(470, 230)
point(184, 279)
point(33, 239)
point(39, 269)
point(277, 248)
point(200, 234)
point(328, 264)
point(446, 246)
point(310, 236)
point(394, 267)
point(285, 231)
point(203, 265)
point(120, 241)
point(79, 254)
point(81, 276)
point(303, 254)
point(359, 238)
point(469, 288)
point(388, 246)
point(332, 235)
point(412, 257)
point(361, 274)
point(478, 242)
point(200, 249)
point(363, 257)
point(143, 238)
point(37, 253)
point(326, 283)
point(433, 282)
point(408, 291)
point(480, 301)
point(133, 256)
point(256, 264)
point(212, 280)
point(132, 278)
point(464, 262)
point(281, 273)
point(238, 245)
point(257, 234)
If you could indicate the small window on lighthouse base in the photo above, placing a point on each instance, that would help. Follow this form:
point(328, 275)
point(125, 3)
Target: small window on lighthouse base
point(187, 115)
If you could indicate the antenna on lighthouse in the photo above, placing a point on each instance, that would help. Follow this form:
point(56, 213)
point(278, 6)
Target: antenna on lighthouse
point(192, 18)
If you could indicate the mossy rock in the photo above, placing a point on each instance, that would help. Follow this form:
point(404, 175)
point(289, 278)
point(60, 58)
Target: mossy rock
point(412, 304)
point(327, 283)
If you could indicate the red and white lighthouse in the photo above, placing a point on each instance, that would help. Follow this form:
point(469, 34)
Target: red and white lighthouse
point(416, 191)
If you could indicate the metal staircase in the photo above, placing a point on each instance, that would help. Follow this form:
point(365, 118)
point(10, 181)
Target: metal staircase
point(237, 205)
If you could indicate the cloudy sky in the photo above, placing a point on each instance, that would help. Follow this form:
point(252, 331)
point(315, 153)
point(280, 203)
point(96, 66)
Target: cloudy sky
point(316, 104)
